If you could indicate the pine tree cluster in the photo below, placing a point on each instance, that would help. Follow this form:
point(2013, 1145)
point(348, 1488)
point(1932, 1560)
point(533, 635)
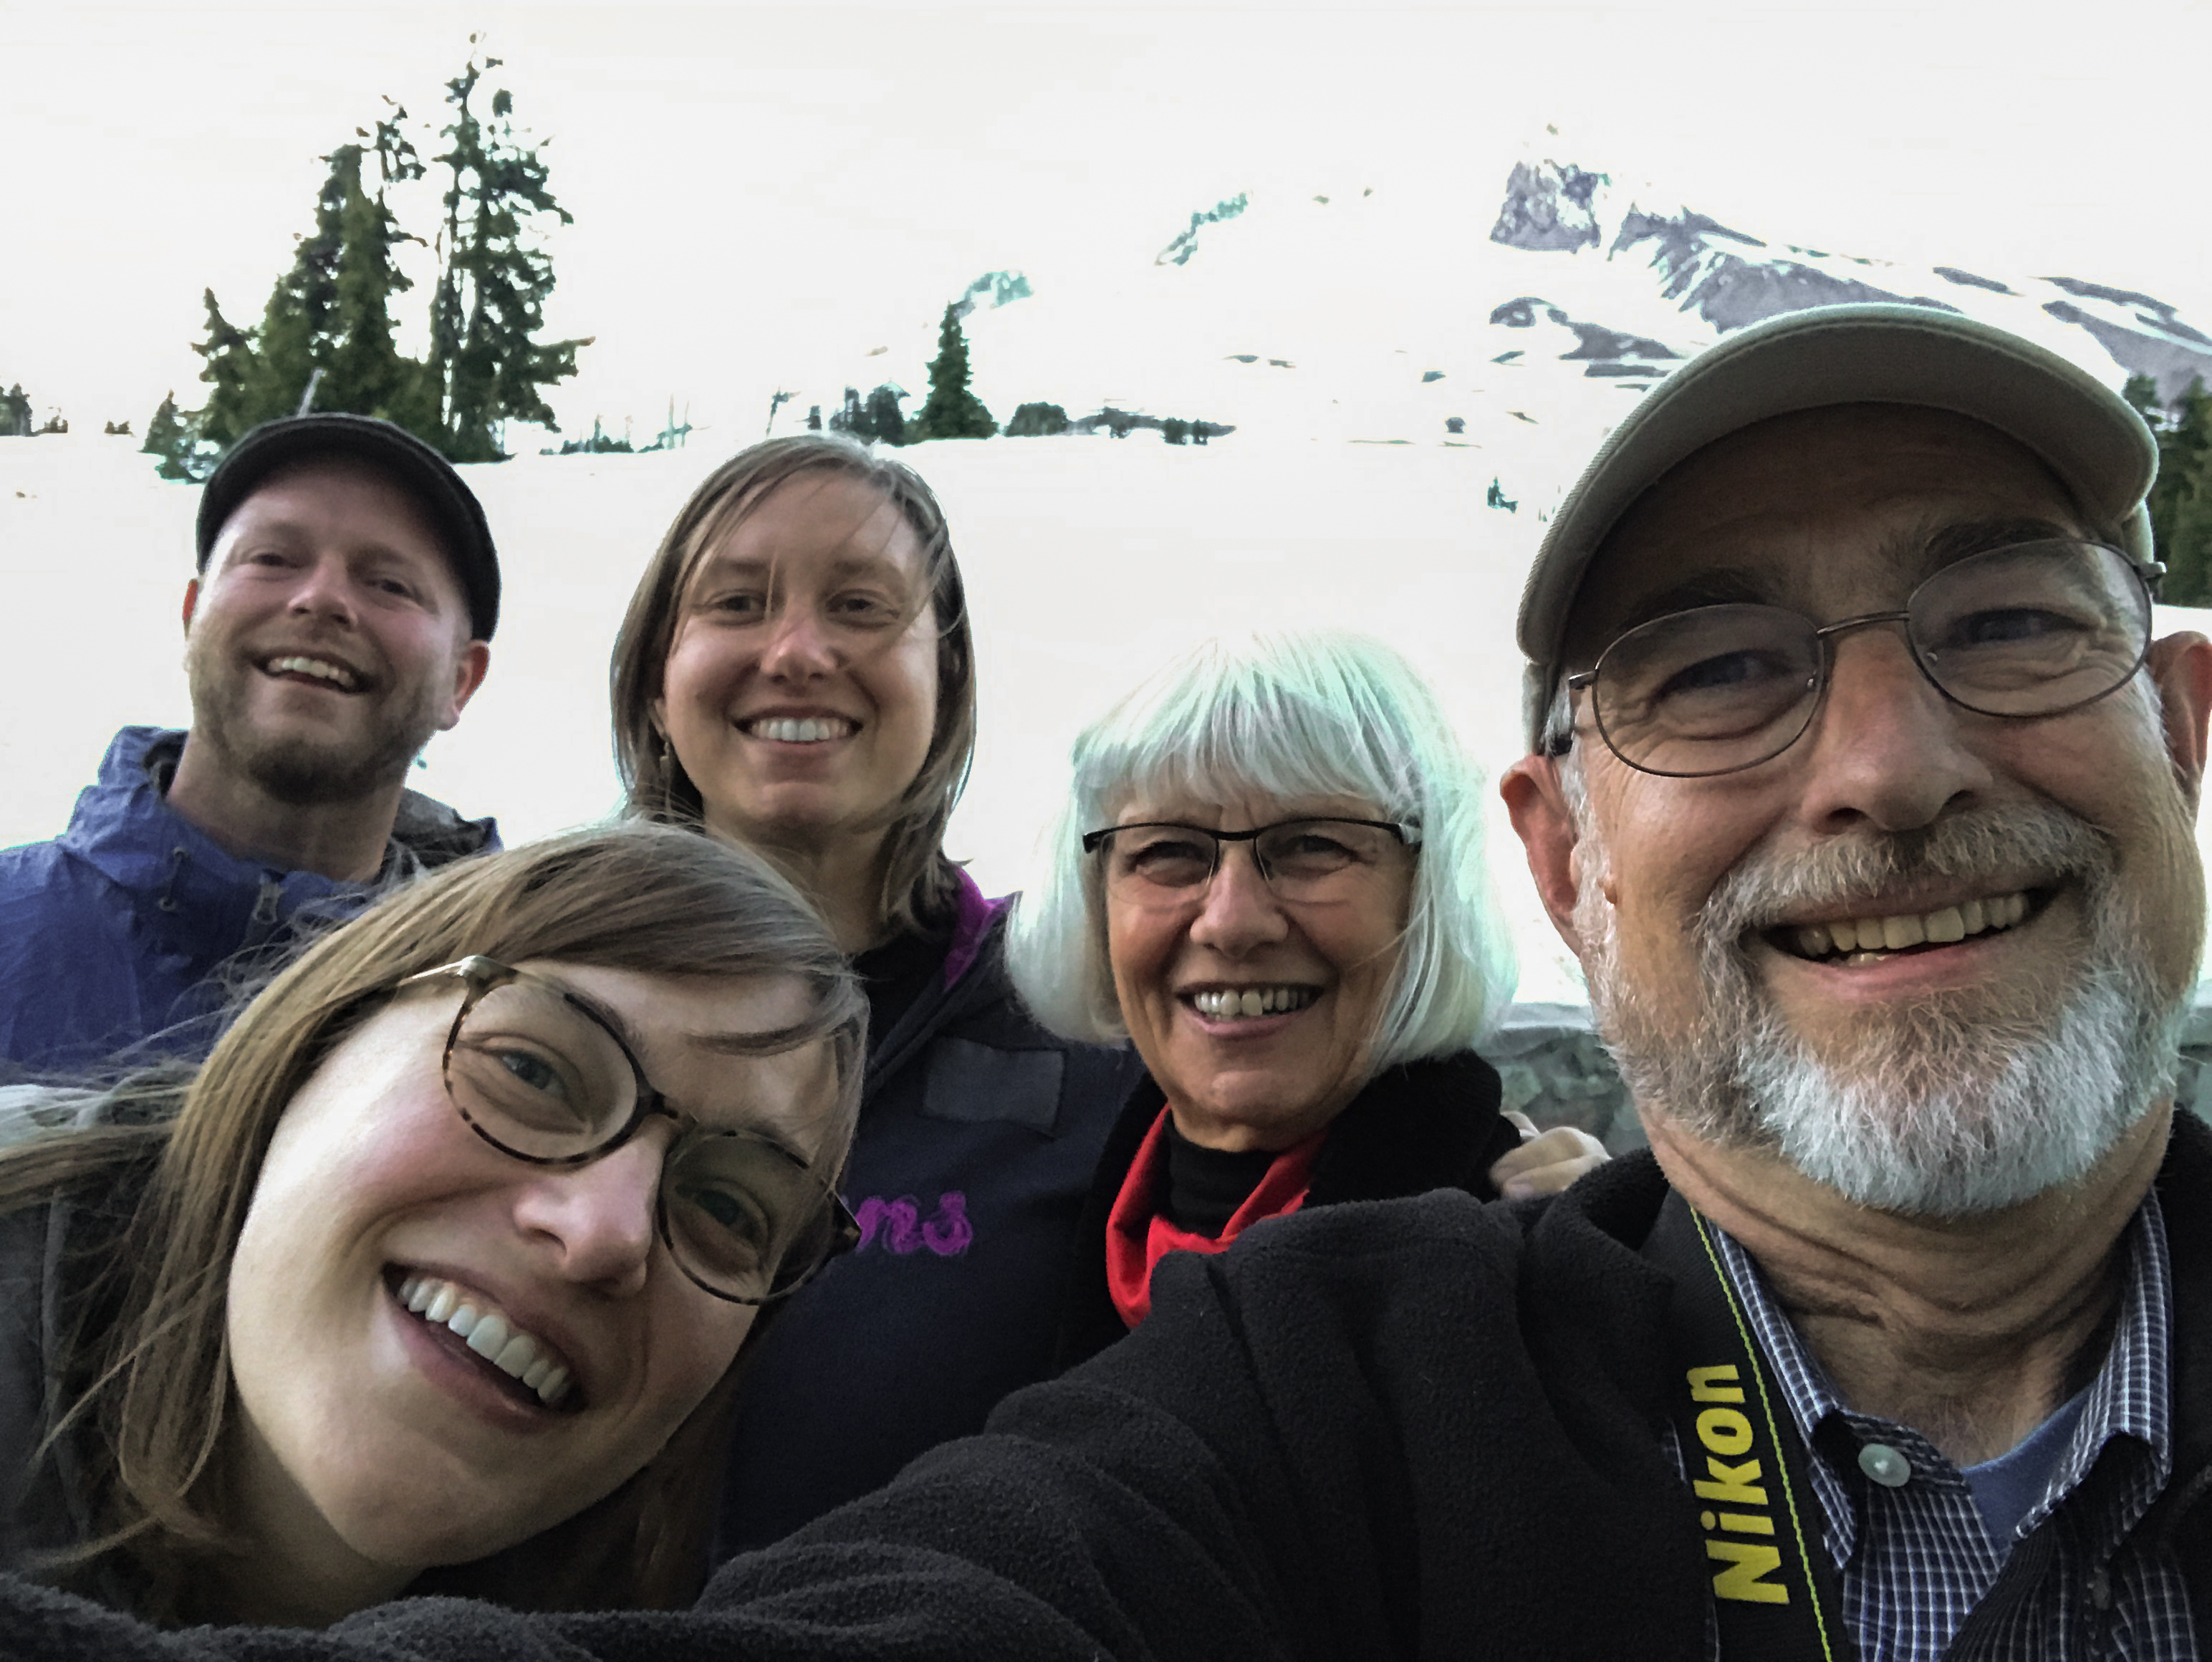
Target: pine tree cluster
point(325, 340)
point(2181, 501)
point(876, 420)
point(14, 413)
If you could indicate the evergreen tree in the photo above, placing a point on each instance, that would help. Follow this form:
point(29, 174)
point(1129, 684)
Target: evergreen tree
point(885, 422)
point(2181, 501)
point(877, 421)
point(366, 374)
point(1038, 421)
point(491, 299)
point(233, 369)
point(162, 430)
point(951, 412)
point(14, 413)
point(300, 320)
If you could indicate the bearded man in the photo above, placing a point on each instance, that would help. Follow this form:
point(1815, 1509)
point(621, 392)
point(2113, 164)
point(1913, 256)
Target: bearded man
point(346, 591)
point(1864, 794)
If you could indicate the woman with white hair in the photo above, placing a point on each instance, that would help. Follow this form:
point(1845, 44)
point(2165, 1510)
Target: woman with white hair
point(1269, 877)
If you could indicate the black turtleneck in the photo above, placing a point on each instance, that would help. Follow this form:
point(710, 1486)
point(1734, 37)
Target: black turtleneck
point(1204, 1186)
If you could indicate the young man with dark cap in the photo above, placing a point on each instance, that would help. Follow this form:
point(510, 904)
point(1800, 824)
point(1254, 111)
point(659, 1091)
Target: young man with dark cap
point(346, 593)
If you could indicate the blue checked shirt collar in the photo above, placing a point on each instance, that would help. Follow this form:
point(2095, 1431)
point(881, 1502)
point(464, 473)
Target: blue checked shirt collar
point(1914, 1564)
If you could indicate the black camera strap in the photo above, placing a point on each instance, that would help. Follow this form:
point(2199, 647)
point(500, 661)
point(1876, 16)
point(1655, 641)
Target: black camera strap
point(1775, 1593)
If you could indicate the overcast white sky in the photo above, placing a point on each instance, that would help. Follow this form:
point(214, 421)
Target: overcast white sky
point(755, 186)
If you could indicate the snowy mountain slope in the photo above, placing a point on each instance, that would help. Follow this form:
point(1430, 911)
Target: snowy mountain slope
point(1519, 325)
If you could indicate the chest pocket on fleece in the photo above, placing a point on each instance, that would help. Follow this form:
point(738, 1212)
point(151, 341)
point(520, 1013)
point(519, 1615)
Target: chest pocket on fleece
point(977, 1084)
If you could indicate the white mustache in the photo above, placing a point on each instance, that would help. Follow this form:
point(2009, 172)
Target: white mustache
point(1999, 848)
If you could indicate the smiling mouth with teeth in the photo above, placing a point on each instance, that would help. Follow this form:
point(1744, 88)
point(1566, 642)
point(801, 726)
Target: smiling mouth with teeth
point(522, 1356)
point(810, 730)
point(1870, 939)
point(1232, 1004)
point(315, 669)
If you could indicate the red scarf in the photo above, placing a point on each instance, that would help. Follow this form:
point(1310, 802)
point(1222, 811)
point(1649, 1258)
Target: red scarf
point(1137, 1237)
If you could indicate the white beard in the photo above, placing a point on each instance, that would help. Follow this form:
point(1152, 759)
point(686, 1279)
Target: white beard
point(1957, 1104)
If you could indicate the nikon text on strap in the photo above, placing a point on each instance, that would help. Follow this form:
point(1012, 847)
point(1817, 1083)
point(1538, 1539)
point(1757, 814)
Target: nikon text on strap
point(1774, 1591)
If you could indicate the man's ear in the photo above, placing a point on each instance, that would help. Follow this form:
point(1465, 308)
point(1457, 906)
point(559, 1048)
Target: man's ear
point(2181, 668)
point(1537, 805)
point(191, 602)
point(468, 676)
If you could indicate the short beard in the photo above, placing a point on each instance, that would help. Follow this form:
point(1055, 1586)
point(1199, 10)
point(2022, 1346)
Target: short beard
point(298, 772)
point(1956, 1104)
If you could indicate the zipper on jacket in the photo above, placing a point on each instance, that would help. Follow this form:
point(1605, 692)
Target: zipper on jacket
point(266, 916)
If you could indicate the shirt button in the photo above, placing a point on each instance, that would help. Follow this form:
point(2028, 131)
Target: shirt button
point(1885, 1465)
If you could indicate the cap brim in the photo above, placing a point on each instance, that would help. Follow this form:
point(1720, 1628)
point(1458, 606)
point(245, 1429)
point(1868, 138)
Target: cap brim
point(428, 477)
point(2084, 432)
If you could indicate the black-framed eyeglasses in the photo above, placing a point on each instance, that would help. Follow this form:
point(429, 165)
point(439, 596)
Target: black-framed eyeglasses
point(2032, 629)
point(1162, 862)
point(537, 1074)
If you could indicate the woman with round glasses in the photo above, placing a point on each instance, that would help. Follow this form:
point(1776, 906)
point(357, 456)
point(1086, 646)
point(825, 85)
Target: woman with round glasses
point(433, 1276)
point(1270, 877)
point(796, 675)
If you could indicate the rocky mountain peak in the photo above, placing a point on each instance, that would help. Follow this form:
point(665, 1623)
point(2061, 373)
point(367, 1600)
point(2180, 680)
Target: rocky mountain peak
point(1550, 208)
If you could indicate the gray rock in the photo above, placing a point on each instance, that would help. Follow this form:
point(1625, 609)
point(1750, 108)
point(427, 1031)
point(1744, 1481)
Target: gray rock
point(1557, 1072)
point(1967, 279)
point(2174, 364)
point(1522, 314)
point(1726, 289)
point(1547, 209)
point(2082, 290)
point(1599, 342)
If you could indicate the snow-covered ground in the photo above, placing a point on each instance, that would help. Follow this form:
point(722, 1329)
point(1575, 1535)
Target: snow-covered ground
point(1089, 562)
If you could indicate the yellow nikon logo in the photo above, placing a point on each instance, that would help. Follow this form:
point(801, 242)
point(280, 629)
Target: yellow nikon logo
point(1726, 1433)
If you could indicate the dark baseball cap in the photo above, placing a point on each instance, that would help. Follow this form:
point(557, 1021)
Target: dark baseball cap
point(1875, 352)
point(424, 474)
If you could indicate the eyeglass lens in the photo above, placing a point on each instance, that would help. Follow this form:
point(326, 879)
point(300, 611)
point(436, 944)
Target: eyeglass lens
point(1300, 859)
point(540, 1078)
point(2032, 630)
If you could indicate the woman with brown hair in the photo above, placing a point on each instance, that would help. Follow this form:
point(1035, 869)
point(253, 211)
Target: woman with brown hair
point(432, 1276)
point(796, 675)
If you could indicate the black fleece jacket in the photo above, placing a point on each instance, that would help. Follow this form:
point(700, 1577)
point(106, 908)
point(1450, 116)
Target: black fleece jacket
point(1423, 1427)
point(978, 1134)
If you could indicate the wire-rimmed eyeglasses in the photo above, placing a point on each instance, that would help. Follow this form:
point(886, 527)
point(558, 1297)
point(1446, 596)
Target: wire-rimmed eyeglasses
point(2032, 629)
point(539, 1075)
point(1161, 862)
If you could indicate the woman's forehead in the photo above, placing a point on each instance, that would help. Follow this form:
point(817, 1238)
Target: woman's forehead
point(1219, 803)
point(817, 511)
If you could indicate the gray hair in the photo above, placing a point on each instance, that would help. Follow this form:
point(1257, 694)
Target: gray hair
point(1320, 714)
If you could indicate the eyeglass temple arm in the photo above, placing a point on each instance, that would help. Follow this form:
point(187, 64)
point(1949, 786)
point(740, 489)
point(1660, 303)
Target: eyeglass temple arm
point(1558, 742)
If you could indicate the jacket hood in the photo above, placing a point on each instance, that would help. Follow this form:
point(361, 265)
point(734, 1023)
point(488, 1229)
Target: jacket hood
point(124, 826)
point(200, 892)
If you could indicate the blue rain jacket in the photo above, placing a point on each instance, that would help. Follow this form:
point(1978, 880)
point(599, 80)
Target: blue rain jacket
point(112, 935)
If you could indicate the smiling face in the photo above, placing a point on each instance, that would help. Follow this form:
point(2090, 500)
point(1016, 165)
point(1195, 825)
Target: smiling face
point(373, 1440)
point(1929, 953)
point(1317, 976)
point(329, 639)
point(800, 691)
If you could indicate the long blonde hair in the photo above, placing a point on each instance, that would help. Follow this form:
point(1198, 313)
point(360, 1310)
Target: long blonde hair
point(919, 882)
point(145, 1371)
